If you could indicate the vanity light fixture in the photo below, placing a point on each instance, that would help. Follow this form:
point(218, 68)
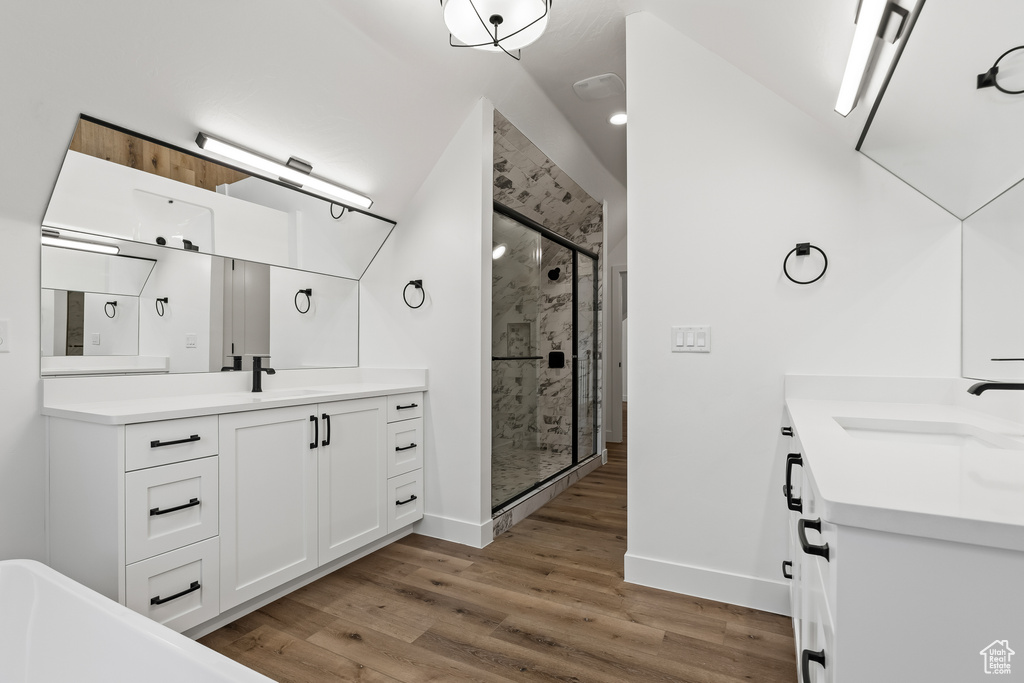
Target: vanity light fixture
point(869, 20)
point(618, 119)
point(495, 25)
point(498, 252)
point(52, 238)
point(295, 172)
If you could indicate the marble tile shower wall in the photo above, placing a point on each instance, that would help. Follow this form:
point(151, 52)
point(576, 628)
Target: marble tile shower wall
point(528, 182)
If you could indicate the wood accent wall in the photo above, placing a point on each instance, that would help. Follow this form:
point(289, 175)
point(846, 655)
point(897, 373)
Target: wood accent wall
point(106, 143)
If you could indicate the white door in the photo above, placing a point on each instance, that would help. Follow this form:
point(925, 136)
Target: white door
point(268, 506)
point(353, 475)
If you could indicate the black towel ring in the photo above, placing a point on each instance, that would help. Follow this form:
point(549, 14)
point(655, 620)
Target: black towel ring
point(418, 284)
point(804, 249)
point(160, 306)
point(308, 292)
point(339, 216)
point(110, 309)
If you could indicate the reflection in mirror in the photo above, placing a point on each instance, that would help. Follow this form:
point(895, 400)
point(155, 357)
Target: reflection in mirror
point(958, 145)
point(993, 278)
point(187, 312)
point(122, 184)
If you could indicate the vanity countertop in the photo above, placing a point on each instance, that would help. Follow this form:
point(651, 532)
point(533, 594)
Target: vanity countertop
point(933, 470)
point(119, 412)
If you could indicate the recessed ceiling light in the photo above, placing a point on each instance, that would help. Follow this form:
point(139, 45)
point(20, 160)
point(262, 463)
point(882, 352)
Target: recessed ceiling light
point(618, 119)
point(498, 252)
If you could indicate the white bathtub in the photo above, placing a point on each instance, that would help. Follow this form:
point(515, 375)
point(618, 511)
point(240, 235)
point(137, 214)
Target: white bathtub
point(53, 629)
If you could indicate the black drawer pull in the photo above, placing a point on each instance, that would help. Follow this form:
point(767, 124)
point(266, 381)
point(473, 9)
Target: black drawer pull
point(801, 528)
point(403, 502)
point(805, 662)
point(787, 574)
point(316, 431)
point(159, 444)
point(405, 448)
point(795, 504)
point(191, 589)
point(411, 405)
point(787, 431)
point(327, 426)
point(153, 512)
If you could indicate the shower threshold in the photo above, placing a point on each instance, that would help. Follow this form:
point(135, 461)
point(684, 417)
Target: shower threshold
point(511, 512)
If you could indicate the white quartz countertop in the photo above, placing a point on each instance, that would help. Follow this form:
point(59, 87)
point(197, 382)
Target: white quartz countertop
point(932, 470)
point(118, 412)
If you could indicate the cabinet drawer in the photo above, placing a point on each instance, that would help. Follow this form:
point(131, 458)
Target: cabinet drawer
point(179, 589)
point(160, 443)
point(170, 506)
point(405, 499)
point(405, 406)
point(405, 446)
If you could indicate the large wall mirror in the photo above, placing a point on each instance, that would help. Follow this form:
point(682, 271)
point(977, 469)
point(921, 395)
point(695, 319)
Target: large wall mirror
point(963, 147)
point(156, 260)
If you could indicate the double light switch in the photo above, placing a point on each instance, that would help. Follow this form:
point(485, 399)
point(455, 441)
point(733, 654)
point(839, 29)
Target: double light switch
point(694, 339)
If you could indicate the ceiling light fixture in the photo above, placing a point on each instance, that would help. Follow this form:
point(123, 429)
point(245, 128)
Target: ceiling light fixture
point(495, 25)
point(295, 172)
point(52, 238)
point(618, 119)
point(498, 252)
point(869, 20)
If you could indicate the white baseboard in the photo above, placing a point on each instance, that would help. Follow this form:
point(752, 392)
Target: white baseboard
point(456, 530)
point(736, 589)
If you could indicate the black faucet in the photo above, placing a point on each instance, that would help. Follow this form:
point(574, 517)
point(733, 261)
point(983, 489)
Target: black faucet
point(257, 373)
point(236, 364)
point(976, 389)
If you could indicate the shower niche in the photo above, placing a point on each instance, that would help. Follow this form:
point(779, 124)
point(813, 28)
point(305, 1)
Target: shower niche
point(544, 364)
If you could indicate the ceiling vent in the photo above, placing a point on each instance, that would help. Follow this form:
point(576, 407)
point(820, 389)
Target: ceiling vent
point(599, 87)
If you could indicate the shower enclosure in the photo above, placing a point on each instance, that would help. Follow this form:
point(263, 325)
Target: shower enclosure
point(544, 356)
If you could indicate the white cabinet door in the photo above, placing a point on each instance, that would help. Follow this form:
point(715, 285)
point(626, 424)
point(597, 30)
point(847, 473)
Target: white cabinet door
point(353, 474)
point(268, 507)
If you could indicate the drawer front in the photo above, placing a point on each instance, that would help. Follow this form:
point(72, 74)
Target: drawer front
point(405, 406)
point(405, 499)
point(169, 507)
point(160, 443)
point(179, 589)
point(405, 446)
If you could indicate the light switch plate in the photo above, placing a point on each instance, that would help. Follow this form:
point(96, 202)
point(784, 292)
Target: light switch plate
point(691, 339)
point(190, 340)
point(5, 342)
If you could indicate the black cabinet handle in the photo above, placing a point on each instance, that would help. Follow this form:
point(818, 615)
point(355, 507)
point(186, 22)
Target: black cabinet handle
point(787, 574)
point(158, 443)
point(411, 405)
point(316, 431)
point(801, 528)
point(327, 427)
point(795, 504)
point(805, 662)
point(153, 512)
point(191, 589)
point(787, 431)
point(405, 448)
point(403, 502)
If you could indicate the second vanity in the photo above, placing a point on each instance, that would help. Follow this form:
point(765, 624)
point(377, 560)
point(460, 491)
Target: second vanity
point(206, 501)
point(906, 506)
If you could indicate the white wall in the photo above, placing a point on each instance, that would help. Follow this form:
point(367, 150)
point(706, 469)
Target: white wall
point(444, 238)
point(725, 178)
point(327, 335)
point(119, 333)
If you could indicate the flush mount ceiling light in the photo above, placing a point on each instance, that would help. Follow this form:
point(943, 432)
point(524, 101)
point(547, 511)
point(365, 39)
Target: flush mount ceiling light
point(495, 25)
point(295, 172)
point(873, 21)
point(618, 119)
point(52, 238)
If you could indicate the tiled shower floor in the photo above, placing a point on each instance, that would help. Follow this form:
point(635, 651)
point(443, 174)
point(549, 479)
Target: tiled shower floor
point(513, 470)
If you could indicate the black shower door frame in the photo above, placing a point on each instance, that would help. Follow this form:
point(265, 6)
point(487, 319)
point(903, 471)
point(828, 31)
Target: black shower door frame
point(577, 252)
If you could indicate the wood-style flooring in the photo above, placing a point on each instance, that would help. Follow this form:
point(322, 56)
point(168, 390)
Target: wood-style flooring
point(544, 602)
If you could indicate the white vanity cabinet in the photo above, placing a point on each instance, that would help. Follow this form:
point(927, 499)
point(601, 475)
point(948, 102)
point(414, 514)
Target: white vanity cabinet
point(405, 460)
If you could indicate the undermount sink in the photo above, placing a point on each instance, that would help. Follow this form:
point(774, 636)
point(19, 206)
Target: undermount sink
point(278, 394)
point(940, 433)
